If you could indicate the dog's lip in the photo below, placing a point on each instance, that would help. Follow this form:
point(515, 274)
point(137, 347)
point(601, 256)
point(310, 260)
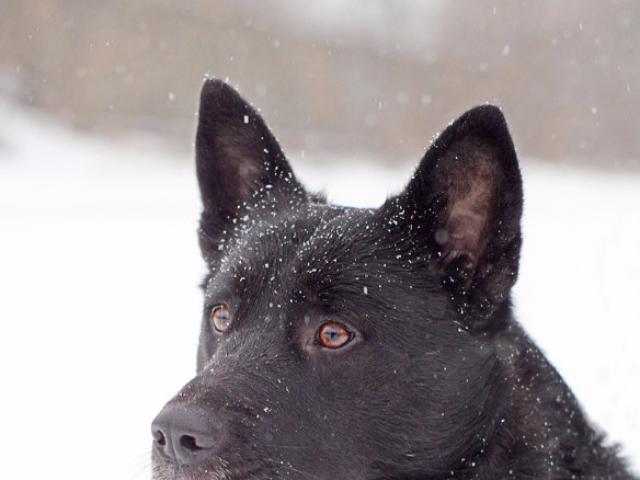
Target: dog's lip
point(218, 469)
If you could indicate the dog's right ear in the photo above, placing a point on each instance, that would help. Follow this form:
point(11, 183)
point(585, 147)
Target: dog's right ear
point(462, 209)
point(240, 166)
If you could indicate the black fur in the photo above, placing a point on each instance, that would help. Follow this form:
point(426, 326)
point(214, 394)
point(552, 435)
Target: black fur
point(439, 382)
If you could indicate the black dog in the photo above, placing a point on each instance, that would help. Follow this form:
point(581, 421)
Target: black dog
point(344, 343)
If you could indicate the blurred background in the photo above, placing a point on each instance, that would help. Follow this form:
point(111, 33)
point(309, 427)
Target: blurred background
point(338, 75)
point(99, 264)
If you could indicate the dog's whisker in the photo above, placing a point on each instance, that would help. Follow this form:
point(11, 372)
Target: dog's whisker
point(301, 472)
point(297, 447)
point(141, 471)
point(142, 463)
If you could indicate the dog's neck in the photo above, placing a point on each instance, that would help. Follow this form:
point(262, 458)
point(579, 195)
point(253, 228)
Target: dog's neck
point(541, 425)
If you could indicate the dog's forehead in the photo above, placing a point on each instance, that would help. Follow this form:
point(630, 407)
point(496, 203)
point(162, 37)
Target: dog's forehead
point(293, 246)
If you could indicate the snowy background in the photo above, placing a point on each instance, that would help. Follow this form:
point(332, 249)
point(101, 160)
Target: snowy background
point(99, 262)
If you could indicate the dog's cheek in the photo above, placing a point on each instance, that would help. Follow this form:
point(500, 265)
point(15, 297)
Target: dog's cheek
point(326, 401)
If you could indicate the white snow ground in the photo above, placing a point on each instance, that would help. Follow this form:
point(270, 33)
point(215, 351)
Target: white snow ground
point(99, 307)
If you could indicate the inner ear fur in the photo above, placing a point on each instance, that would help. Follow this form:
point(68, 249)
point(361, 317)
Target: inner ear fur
point(241, 168)
point(463, 206)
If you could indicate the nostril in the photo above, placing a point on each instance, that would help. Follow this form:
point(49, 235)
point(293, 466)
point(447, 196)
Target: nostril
point(190, 443)
point(159, 438)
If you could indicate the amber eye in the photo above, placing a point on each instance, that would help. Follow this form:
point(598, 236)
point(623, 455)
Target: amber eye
point(220, 318)
point(334, 335)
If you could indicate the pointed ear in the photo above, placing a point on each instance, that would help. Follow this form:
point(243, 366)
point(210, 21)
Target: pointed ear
point(240, 165)
point(464, 205)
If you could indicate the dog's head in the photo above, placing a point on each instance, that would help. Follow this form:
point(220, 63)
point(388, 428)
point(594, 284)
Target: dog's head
point(340, 342)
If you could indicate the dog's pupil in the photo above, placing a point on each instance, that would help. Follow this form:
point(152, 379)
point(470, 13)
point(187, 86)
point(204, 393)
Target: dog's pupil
point(333, 335)
point(221, 318)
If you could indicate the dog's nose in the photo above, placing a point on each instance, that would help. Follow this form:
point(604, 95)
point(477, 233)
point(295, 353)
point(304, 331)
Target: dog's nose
point(185, 435)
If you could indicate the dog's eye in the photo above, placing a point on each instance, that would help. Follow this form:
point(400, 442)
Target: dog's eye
point(220, 318)
point(334, 335)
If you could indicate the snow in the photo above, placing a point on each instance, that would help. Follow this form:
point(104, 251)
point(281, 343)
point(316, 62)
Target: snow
point(99, 306)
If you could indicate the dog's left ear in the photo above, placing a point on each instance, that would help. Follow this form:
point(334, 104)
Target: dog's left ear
point(464, 205)
point(241, 168)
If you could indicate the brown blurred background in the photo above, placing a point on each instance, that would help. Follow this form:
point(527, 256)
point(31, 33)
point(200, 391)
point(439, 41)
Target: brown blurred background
point(379, 77)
